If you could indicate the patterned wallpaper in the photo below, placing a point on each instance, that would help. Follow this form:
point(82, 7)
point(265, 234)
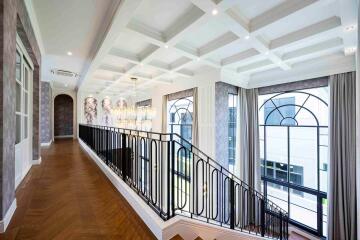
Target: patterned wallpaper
point(46, 111)
point(15, 19)
point(222, 91)
point(63, 115)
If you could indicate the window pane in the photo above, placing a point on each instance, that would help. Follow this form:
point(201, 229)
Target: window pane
point(276, 147)
point(261, 138)
point(18, 66)
point(18, 129)
point(324, 159)
point(304, 209)
point(303, 154)
point(18, 97)
point(278, 194)
point(323, 168)
point(26, 104)
point(325, 214)
point(26, 83)
point(232, 116)
point(25, 127)
point(279, 110)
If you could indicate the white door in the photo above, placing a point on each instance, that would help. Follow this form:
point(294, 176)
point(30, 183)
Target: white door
point(23, 140)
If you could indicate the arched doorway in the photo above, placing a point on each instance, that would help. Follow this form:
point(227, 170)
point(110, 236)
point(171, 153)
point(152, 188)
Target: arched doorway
point(63, 116)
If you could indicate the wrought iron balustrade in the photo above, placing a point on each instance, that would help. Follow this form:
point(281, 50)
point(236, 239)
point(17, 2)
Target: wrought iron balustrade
point(175, 178)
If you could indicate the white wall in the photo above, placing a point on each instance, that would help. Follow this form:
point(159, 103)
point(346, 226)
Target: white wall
point(99, 97)
point(206, 105)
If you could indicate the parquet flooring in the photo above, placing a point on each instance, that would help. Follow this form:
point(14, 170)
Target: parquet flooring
point(68, 197)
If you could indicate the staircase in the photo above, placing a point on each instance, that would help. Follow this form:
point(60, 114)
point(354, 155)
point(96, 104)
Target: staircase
point(175, 178)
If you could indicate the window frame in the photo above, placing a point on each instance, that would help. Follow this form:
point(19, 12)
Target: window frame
point(170, 126)
point(293, 188)
point(231, 164)
point(24, 82)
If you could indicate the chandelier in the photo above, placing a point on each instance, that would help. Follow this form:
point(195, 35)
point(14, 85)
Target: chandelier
point(134, 117)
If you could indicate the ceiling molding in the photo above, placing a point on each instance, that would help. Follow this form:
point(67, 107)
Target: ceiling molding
point(333, 64)
point(35, 25)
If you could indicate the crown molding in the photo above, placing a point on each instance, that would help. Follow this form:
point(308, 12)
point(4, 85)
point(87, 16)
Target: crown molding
point(35, 25)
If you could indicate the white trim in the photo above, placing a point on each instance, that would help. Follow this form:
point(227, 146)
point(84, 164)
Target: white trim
point(36, 161)
point(185, 227)
point(19, 178)
point(64, 136)
point(23, 51)
point(9, 214)
point(46, 144)
point(35, 25)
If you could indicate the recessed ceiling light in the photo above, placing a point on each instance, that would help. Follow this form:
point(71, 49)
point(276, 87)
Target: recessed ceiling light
point(350, 28)
point(198, 59)
point(166, 46)
point(65, 84)
point(267, 53)
point(141, 64)
point(69, 53)
point(247, 37)
point(214, 12)
point(350, 50)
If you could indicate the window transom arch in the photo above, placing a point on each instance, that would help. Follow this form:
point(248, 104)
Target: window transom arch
point(283, 110)
point(181, 111)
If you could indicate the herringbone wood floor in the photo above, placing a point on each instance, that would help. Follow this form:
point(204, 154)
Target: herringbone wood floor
point(68, 197)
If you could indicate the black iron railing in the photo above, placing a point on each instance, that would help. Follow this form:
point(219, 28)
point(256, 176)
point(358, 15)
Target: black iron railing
point(175, 178)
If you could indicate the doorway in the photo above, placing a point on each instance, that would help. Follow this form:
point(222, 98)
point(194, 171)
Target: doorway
point(63, 116)
point(23, 112)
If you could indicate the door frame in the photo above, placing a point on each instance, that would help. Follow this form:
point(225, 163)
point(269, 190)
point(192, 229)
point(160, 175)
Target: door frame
point(56, 92)
point(25, 146)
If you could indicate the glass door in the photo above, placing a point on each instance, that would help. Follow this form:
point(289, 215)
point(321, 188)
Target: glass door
point(23, 110)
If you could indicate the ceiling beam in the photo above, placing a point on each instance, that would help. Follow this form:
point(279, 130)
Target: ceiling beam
point(217, 44)
point(256, 67)
point(245, 55)
point(330, 24)
point(314, 50)
point(277, 13)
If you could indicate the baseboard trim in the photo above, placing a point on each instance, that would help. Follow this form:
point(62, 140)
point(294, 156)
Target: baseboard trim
point(46, 144)
point(36, 162)
point(65, 136)
point(9, 214)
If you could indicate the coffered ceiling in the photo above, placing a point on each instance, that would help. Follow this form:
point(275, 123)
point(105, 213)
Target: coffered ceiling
point(162, 41)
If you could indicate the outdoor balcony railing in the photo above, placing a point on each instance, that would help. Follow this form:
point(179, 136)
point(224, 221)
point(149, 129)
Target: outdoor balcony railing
point(175, 178)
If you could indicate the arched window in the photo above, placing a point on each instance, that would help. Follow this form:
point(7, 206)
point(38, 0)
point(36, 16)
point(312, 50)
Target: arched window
point(293, 149)
point(180, 120)
point(180, 117)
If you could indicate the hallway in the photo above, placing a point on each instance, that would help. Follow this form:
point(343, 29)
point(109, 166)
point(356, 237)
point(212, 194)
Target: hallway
point(68, 197)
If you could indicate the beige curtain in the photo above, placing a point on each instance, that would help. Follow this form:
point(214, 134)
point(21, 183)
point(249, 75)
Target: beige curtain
point(342, 149)
point(247, 165)
point(195, 124)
